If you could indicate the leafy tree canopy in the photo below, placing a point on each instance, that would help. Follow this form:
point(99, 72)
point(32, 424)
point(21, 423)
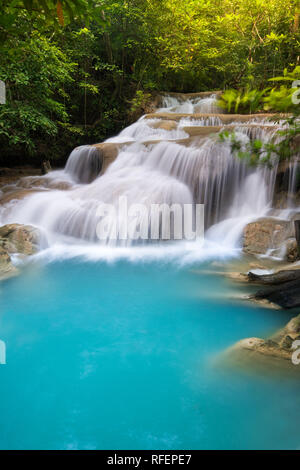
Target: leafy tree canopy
point(76, 69)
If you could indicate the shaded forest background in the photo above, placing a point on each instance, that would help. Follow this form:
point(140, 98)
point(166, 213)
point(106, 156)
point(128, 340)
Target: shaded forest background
point(77, 71)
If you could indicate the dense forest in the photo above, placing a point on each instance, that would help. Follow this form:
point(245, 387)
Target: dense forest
point(77, 71)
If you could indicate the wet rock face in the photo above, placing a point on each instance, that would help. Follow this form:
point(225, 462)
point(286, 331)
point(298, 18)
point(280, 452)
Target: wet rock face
point(46, 167)
point(292, 250)
point(16, 238)
point(265, 234)
point(286, 295)
point(108, 152)
point(283, 200)
point(282, 288)
point(287, 185)
point(276, 278)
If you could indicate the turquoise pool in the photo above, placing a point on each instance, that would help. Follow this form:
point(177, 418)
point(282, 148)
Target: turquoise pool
point(122, 356)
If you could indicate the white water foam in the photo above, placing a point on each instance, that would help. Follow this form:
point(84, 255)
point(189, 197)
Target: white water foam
point(144, 130)
point(207, 105)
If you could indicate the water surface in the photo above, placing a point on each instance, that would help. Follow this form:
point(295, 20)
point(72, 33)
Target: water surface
point(121, 356)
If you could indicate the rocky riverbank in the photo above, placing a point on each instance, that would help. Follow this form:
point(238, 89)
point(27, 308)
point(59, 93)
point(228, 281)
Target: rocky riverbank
point(16, 239)
point(277, 287)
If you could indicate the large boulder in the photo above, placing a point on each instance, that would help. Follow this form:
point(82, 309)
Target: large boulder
point(17, 238)
point(108, 152)
point(267, 233)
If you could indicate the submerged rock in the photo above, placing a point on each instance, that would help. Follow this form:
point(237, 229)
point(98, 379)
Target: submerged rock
point(274, 353)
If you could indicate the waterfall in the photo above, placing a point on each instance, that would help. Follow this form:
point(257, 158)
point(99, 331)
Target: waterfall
point(206, 121)
point(158, 162)
point(149, 130)
point(293, 172)
point(84, 164)
point(207, 105)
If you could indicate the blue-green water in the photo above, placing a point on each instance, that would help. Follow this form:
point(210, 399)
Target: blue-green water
point(120, 356)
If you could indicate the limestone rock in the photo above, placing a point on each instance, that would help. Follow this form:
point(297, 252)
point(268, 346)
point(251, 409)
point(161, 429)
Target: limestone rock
point(39, 183)
point(265, 234)
point(292, 250)
point(16, 238)
point(293, 325)
point(6, 267)
point(13, 195)
point(108, 152)
point(166, 125)
point(225, 118)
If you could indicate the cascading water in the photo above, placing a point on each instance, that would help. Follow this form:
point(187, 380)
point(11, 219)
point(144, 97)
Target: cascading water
point(202, 170)
point(84, 164)
point(207, 105)
point(207, 121)
point(293, 172)
point(148, 130)
point(100, 348)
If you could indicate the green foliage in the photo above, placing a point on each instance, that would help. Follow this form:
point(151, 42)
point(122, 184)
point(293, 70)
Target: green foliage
point(284, 145)
point(217, 44)
point(242, 101)
point(84, 67)
point(289, 76)
point(50, 12)
point(276, 99)
point(18, 125)
point(279, 100)
point(141, 98)
point(35, 72)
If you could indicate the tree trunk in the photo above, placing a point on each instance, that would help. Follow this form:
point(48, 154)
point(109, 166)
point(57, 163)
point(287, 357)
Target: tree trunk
point(296, 20)
point(108, 43)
